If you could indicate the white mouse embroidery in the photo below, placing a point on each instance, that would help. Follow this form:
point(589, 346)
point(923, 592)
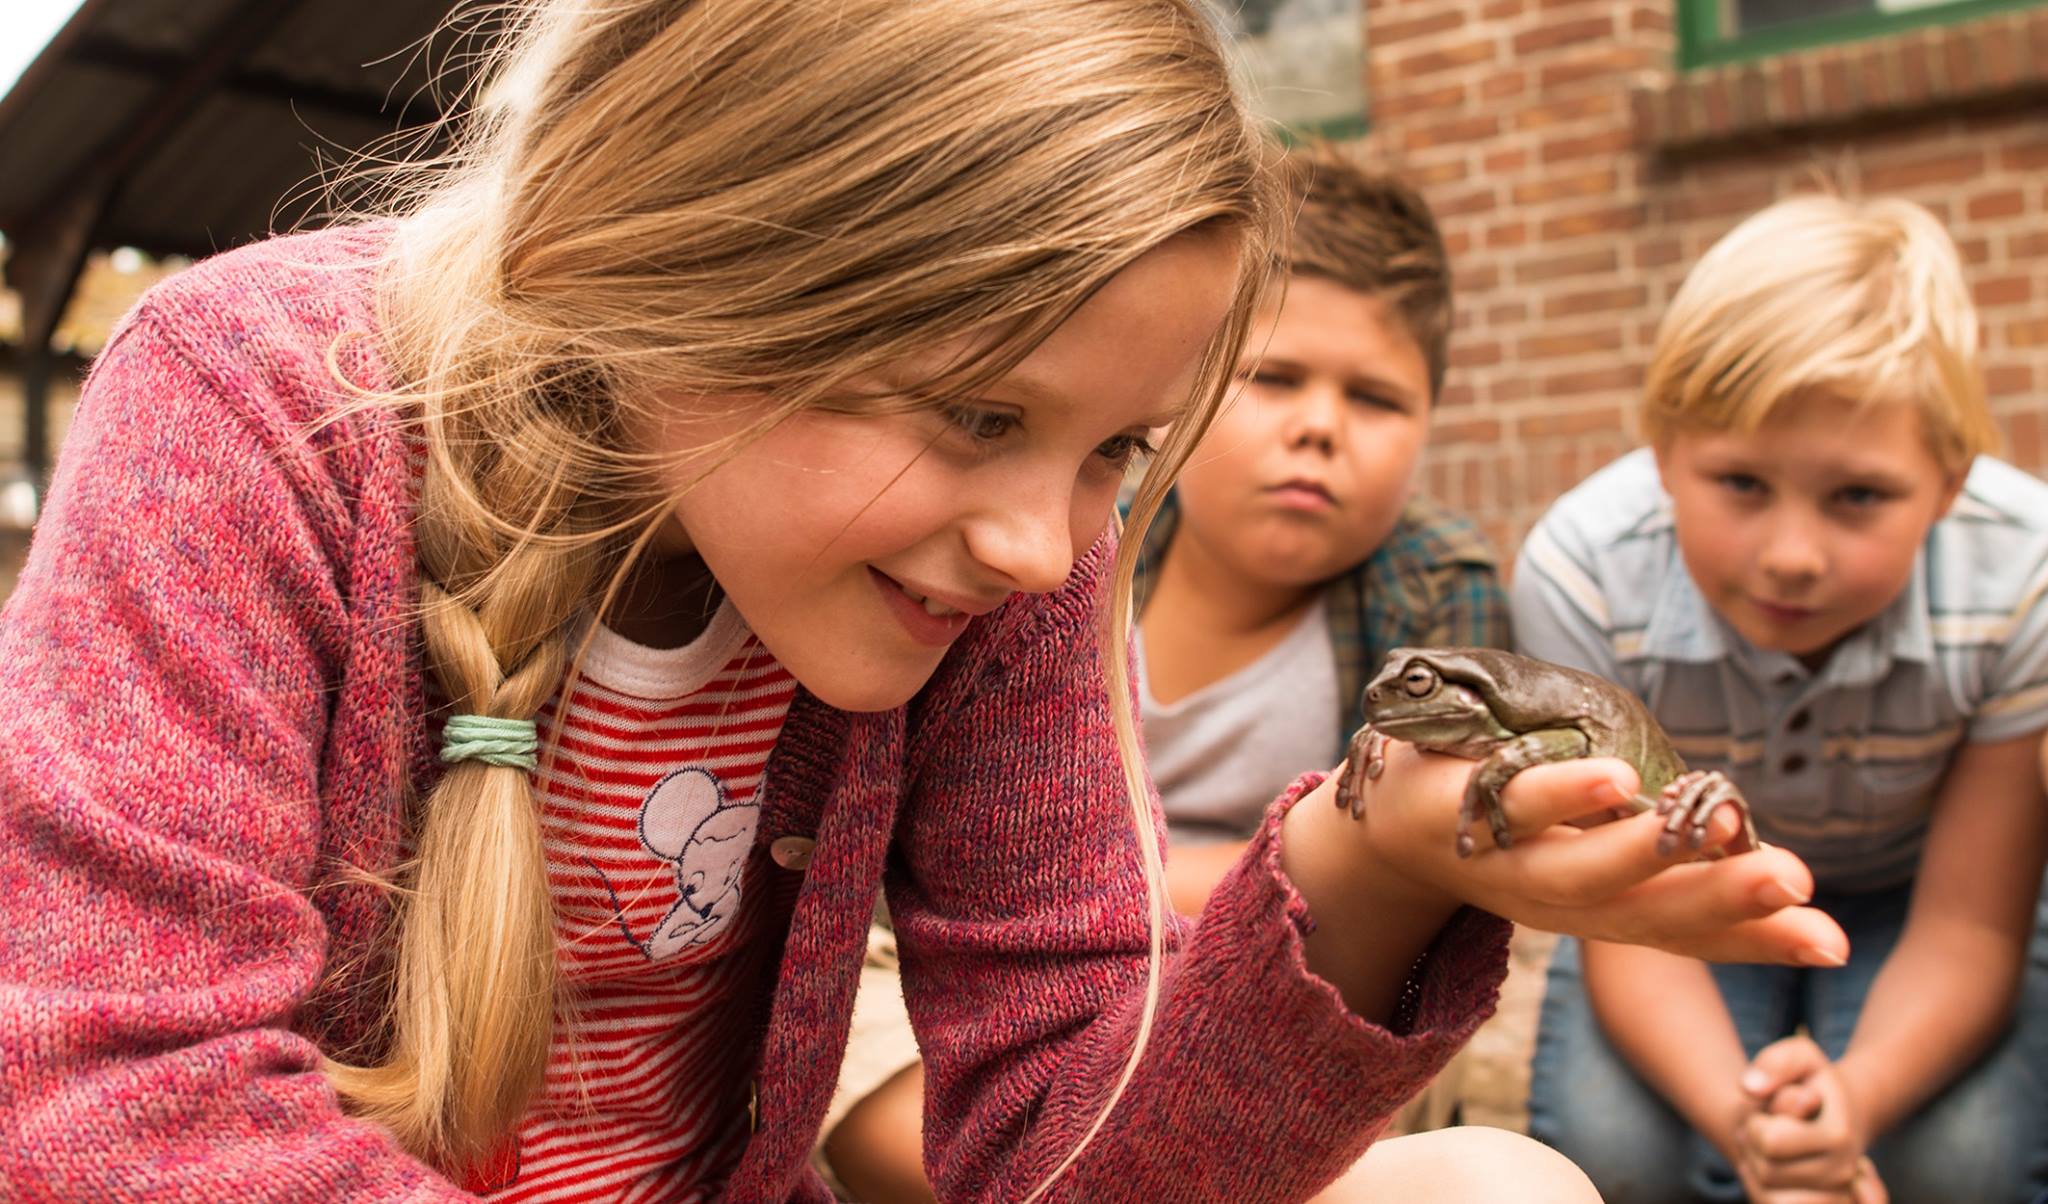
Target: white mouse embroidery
point(688, 820)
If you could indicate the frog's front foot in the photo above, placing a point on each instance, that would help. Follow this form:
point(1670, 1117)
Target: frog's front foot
point(1687, 802)
point(1369, 757)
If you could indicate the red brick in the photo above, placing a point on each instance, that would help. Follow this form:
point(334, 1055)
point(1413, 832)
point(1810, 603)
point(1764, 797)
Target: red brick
point(1650, 19)
point(2006, 202)
point(1598, 300)
point(1572, 263)
point(1507, 234)
point(1510, 313)
point(1510, 389)
point(1945, 167)
point(1837, 94)
point(1554, 34)
point(1604, 143)
point(1656, 252)
point(1559, 346)
point(1466, 430)
point(1592, 104)
point(1443, 171)
point(1456, 131)
point(1502, 10)
point(1555, 423)
point(1401, 29)
point(1607, 219)
point(1731, 200)
point(1456, 393)
point(2009, 380)
point(2029, 333)
point(1504, 85)
point(1449, 58)
point(1974, 251)
point(1502, 162)
point(2026, 441)
point(2003, 290)
point(2031, 245)
point(1477, 353)
point(1624, 377)
point(1595, 62)
point(1409, 103)
point(1597, 182)
point(1470, 200)
point(2027, 156)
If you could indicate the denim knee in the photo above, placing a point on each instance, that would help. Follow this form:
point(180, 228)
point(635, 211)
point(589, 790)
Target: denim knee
point(1587, 1104)
point(1978, 1142)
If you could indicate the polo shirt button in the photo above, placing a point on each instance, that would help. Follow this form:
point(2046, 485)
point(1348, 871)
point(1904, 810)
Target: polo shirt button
point(1798, 721)
point(792, 852)
point(1793, 763)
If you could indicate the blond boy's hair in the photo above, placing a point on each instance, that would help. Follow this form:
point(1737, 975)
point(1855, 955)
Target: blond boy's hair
point(1374, 234)
point(1819, 294)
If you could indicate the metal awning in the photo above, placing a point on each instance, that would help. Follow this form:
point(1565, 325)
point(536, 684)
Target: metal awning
point(185, 127)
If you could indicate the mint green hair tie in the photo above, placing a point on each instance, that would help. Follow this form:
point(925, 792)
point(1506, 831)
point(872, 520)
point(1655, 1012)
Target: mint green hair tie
point(487, 738)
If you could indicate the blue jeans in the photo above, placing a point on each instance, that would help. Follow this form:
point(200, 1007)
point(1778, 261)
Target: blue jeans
point(1982, 1140)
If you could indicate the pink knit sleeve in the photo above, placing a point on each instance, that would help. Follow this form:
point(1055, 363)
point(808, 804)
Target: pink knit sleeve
point(1018, 907)
point(168, 671)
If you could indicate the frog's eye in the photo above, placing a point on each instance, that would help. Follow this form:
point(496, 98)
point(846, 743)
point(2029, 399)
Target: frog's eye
point(1419, 681)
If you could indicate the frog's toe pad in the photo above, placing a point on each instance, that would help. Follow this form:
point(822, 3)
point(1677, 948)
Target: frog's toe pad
point(1687, 803)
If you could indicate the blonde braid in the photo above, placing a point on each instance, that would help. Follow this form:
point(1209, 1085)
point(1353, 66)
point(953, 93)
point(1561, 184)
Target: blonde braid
point(507, 557)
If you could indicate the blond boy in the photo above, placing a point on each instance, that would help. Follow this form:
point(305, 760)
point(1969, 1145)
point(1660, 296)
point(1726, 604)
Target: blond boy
point(1821, 585)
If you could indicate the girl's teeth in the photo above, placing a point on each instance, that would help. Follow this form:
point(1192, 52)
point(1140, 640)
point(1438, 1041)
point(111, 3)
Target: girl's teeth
point(934, 607)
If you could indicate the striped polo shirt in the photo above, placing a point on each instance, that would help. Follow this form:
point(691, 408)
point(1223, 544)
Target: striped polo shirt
point(1841, 765)
point(669, 916)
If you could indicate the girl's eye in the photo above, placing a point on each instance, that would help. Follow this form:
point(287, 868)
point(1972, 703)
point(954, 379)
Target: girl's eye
point(1123, 449)
point(1268, 380)
point(982, 426)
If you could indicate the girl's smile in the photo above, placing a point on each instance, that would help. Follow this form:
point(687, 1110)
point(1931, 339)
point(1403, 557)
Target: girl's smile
point(859, 547)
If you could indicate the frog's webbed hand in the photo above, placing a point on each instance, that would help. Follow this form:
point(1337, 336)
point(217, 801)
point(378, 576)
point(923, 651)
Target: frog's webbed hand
point(1687, 802)
point(1482, 792)
point(1369, 757)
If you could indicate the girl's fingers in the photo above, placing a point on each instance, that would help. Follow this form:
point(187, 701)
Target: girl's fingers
point(1562, 791)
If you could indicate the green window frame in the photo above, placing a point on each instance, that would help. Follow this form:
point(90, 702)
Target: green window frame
point(1703, 40)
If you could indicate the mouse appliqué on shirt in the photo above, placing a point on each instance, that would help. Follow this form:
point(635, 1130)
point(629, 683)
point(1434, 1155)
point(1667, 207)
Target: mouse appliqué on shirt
point(690, 821)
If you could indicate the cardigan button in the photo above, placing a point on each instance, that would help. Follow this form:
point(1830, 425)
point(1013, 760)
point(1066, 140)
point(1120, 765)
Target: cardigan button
point(793, 852)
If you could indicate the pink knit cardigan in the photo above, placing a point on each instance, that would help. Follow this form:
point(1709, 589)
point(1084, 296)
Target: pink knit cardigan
point(210, 708)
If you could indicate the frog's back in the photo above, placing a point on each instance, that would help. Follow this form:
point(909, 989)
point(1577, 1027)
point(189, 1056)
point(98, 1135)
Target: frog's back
point(1535, 694)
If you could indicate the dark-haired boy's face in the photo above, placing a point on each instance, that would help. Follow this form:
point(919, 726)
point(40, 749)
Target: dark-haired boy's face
point(1803, 530)
point(1306, 470)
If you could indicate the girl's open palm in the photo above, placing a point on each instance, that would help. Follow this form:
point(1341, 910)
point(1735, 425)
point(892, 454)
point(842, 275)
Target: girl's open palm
point(1604, 883)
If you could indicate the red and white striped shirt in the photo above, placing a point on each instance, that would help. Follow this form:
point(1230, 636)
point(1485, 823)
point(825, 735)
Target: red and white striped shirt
point(667, 920)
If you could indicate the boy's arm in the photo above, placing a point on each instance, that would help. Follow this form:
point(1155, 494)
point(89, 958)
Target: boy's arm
point(1948, 987)
point(1558, 605)
point(1665, 1016)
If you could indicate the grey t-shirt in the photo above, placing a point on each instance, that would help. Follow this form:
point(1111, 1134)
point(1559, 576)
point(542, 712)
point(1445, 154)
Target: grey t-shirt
point(1222, 753)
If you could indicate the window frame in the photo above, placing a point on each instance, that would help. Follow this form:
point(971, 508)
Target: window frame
point(1701, 43)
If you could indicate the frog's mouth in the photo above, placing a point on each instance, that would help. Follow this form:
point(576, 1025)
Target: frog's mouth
point(1411, 720)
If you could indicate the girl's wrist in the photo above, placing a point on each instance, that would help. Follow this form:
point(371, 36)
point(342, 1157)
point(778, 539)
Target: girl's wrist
point(1372, 923)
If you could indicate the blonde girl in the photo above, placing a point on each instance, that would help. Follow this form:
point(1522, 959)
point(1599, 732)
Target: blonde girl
point(478, 666)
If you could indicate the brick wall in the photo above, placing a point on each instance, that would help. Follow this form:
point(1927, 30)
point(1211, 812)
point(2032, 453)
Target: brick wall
point(1577, 175)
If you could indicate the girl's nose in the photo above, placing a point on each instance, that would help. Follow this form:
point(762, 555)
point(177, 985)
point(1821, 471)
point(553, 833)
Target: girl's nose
point(1029, 542)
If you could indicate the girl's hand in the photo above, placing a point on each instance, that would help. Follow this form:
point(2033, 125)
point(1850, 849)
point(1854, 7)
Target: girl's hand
point(1605, 883)
point(1799, 1140)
